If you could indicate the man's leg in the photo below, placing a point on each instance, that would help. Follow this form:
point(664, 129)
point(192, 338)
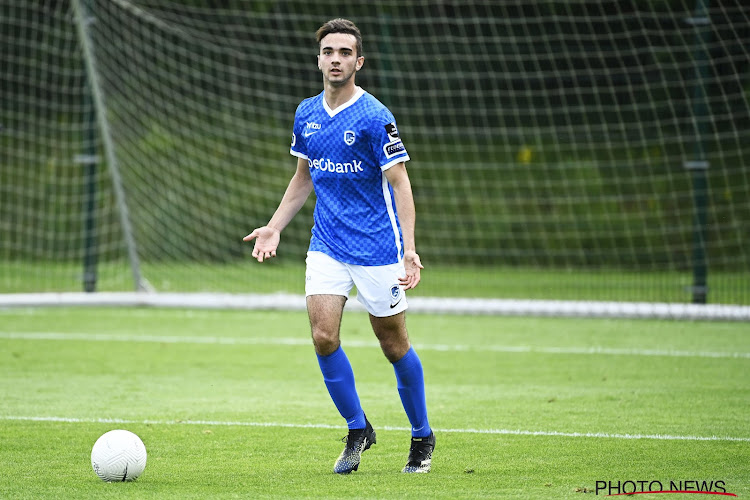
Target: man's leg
point(325, 313)
point(394, 341)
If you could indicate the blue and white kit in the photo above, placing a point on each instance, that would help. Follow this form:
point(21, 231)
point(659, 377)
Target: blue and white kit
point(348, 150)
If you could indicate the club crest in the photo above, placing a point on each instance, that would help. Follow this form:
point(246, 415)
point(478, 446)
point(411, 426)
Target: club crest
point(349, 137)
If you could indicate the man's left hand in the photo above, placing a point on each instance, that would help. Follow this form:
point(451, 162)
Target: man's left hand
point(413, 266)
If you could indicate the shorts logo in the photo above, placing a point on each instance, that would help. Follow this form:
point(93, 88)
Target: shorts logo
point(395, 295)
point(349, 137)
point(294, 139)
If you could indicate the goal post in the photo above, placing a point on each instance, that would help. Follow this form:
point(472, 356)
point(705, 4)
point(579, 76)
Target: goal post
point(700, 23)
point(83, 18)
point(581, 152)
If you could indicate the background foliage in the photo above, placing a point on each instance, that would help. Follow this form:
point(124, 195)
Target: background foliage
point(544, 134)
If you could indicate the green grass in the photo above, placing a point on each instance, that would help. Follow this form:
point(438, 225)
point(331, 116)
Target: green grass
point(209, 392)
point(437, 281)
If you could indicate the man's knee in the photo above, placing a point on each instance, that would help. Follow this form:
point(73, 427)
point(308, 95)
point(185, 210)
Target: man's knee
point(394, 349)
point(325, 341)
point(325, 312)
point(392, 335)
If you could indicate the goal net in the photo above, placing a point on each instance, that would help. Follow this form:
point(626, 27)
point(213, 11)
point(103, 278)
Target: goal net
point(561, 151)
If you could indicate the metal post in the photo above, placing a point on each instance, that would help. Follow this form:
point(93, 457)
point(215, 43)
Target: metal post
point(699, 165)
point(385, 47)
point(89, 161)
point(82, 21)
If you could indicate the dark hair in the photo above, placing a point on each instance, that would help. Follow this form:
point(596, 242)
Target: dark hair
point(340, 26)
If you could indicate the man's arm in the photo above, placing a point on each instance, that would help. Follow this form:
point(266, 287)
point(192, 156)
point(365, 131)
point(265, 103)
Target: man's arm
point(402, 194)
point(297, 192)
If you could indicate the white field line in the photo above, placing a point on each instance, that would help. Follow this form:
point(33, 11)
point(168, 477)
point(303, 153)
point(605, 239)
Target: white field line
point(292, 341)
point(509, 432)
point(426, 305)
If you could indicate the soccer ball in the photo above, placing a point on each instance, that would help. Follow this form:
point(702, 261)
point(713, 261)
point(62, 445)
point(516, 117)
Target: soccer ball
point(118, 456)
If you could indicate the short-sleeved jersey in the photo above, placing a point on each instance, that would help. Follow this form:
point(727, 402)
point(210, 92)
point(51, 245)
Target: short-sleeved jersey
point(348, 150)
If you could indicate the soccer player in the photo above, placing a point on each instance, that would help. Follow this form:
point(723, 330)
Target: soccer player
point(349, 151)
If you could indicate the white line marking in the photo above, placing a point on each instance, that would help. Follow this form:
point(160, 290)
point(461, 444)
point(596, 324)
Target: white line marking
point(423, 305)
point(510, 432)
point(292, 341)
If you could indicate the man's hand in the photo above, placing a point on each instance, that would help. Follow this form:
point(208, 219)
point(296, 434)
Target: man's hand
point(412, 266)
point(266, 242)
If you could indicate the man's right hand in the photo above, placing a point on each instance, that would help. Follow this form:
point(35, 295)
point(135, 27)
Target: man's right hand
point(266, 242)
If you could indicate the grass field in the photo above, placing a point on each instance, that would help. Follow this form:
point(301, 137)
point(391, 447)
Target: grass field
point(437, 281)
point(231, 404)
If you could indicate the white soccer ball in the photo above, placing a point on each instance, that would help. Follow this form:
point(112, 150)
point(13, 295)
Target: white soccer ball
point(118, 456)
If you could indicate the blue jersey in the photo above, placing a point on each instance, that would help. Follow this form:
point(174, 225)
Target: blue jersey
point(348, 150)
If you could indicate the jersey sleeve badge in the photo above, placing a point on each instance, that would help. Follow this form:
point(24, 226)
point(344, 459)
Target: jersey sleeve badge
point(394, 147)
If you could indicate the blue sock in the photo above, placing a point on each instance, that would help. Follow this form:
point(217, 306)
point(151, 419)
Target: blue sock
point(410, 380)
point(339, 379)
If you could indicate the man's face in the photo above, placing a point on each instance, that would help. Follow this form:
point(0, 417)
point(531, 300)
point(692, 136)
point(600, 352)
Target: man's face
point(338, 58)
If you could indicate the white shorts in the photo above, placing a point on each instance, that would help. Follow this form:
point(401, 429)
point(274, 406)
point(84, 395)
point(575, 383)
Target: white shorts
point(377, 286)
